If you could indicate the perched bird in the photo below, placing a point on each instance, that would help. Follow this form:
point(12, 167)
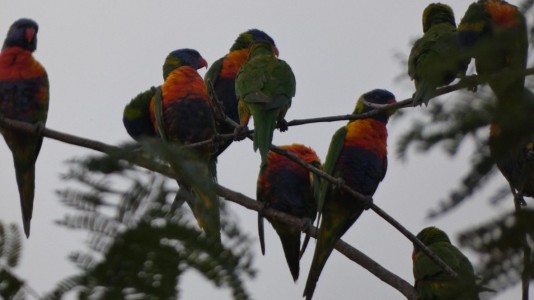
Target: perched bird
point(357, 155)
point(179, 112)
point(222, 74)
point(24, 94)
point(289, 187)
point(511, 143)
point(431, 281)
point(494, 33)
point(264, 86)
point(137, 116)
point(436, 59)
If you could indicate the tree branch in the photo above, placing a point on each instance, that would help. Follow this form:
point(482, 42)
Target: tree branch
point(350, 252)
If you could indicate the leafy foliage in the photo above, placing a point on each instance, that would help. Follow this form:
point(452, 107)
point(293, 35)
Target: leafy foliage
point(139, 242)
point(11, 287)
point(501, 244)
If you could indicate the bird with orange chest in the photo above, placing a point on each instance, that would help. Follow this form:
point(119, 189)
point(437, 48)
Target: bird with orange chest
point(24, 96)
point(357, 155)
point(289, 187)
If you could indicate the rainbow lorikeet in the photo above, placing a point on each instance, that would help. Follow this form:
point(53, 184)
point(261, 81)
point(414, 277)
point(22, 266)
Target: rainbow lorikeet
point(24, 94)
point(357, 155)
point(222, 74)
point(432, 282)
point(511, 143)
point(179, 112)
point(137, 116)
point(494, 33)
point(182, 114)
point(289, 187)
point(264, 86)
point(436, 59)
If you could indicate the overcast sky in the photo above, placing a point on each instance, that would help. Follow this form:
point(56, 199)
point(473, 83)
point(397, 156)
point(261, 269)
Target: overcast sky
point(99, 54)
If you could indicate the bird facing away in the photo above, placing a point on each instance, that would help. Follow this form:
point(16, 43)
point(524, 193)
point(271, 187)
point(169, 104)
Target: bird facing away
point(265, 86)
point(24, 96)
point(357, 155)
point(436, 58)
point(221, 77)
point(287, 186)
point(431, 281)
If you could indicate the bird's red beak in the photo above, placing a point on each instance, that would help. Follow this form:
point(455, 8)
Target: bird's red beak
point(276, 51)
point(29, 34)
point(202, 63)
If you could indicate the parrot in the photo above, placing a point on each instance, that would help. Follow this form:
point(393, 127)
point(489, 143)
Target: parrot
point(436, 58)
point(179, 112)
point(494, 33)
point(222, 74)
point(357, 155)
point(512, 148)
point(264, 86)
point(184, 117)
point(24, 96)
point(431, 281)
point(136, 116)
point(288, 187)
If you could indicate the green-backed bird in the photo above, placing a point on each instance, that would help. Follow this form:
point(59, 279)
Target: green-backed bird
point(24, 94)
point(288, 187)
point(358, 156)
point(436, 58)
point(264, 86)
point(221, 77)
point(494, 33)
point(431, 281)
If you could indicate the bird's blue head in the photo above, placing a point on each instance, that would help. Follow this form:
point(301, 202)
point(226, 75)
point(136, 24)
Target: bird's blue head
point(245, 39)
point(183, 57)
point(23, 34)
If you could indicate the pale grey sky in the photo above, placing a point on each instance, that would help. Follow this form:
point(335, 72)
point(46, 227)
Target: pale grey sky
point(99, 54)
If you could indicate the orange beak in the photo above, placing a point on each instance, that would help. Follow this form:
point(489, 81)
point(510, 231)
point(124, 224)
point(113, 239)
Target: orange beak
point(29, 34)
point(276, 51)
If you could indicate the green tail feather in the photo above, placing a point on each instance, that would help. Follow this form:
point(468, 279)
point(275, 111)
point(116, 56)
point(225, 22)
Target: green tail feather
point(291, 243)
point(264, 126)
point(26, 185)
point(205, 207)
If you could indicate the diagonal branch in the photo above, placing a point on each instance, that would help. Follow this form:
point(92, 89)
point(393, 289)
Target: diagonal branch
point(350, 252)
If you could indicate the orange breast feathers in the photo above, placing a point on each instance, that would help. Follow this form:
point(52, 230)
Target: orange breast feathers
point(17, 63)
point(233, 62)
point(184, 82)
point(503, 14)
point(368, 134)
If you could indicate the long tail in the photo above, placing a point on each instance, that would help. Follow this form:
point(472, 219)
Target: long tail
point(291, 243)
point(26, 184)
point(204, 203)
point(264, 126)
point(331, 230)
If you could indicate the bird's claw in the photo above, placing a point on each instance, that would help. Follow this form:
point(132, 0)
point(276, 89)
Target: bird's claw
point(282, 125)
point(520, 201)
point(238, 132)
point(367, 202)
point(470, 83)
point(39, 128)
point(307, 223)
point(339, 183)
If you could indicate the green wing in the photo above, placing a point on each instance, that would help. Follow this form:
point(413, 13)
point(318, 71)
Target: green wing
point(336, 145)
point(158, 112)
point(212, 75)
